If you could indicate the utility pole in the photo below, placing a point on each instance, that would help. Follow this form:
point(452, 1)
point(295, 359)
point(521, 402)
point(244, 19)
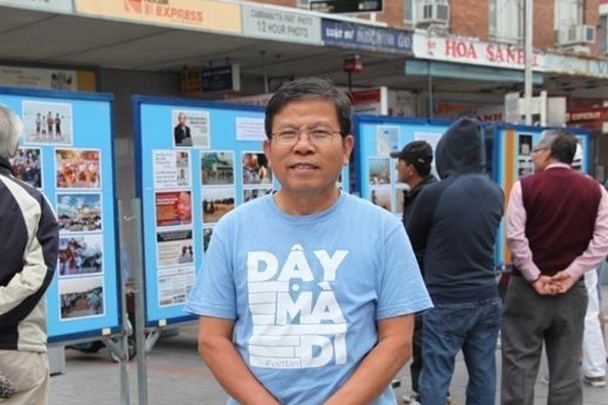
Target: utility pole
point(528, 35)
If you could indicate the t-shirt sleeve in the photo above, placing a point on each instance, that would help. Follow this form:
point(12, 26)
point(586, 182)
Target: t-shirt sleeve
point(214, 291)
point(401, 290)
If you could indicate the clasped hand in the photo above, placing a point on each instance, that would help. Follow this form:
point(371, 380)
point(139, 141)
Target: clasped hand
point(560, 283)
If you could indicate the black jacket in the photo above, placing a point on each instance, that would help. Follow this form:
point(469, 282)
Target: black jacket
point(454, 222)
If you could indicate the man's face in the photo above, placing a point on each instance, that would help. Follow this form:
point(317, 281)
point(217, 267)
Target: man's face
point(406, 171)
point(184, 208)
point(182, 119)
point(541, 154)
point(308, 166)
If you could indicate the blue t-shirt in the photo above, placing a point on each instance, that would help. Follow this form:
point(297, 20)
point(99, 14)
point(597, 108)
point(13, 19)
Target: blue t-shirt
point(306, 292)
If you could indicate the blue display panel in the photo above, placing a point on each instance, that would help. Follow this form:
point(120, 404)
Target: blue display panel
point(188, 176)
point(514, 143)
point(377, 136)
point(67, 152)
point(376, 173)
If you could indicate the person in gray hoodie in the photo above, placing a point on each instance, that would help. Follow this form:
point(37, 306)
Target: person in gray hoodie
point(455, 222)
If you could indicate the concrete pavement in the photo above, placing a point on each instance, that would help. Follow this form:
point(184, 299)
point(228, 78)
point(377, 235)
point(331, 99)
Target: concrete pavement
point(176, 375)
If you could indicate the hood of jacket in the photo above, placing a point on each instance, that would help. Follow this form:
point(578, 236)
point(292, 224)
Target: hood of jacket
point(461, 149)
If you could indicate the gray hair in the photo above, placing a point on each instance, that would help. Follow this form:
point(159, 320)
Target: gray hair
point(11, 128)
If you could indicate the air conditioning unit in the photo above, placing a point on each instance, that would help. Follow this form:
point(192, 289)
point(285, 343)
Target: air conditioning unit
point(433, 13)
point(576, 35)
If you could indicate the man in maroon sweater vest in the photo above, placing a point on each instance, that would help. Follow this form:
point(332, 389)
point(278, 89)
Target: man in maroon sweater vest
point(557, 229)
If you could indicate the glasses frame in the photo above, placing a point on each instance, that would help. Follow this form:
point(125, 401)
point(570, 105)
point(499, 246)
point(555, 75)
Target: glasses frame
point(288, 142)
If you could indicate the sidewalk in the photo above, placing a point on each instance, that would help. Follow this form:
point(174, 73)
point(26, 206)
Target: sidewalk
point(176, 375)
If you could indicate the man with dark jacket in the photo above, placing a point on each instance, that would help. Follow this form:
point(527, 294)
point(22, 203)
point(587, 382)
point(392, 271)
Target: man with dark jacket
point(414, 169)
point(455, 222)
point(29, 257)
point(557, 229)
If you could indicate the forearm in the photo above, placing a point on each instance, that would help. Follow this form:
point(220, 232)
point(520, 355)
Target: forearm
point(232, 373)
point(374, 374)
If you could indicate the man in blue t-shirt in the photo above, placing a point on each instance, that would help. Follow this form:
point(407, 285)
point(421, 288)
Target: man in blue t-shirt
point(308, 295)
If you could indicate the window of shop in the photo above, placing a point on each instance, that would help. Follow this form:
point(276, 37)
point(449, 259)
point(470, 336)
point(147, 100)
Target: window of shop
point(506, 20)
point(602, 34)
point(568, 13)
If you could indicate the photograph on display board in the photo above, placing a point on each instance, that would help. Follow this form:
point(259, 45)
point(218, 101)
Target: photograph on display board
point(47, 123)
point(173, 208)
point(81, 297)
point(171, 168)
point(174, 247)
point(387, 140)
point(253, 193)
point(207, 233)
point(82, 254)
point(399, 197)
point(525, 144)
point(381, 196)
point(217, 202)
point(78, 168)
point(79, 212)
point(379, 170)
point(27, 166)
point(525, 167)
point(217, 168)
point(191, 129)
point(255, 168)
point(174, 285)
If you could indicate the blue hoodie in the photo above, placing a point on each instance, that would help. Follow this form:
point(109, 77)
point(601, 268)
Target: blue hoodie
point(454, 222)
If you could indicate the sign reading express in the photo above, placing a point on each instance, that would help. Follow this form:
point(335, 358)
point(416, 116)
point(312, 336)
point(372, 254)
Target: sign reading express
point(365, 37)
point(192, 14)
point(279, 25)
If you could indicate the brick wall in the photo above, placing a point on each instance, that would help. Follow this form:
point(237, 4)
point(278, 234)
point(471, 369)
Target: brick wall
point(469, 18)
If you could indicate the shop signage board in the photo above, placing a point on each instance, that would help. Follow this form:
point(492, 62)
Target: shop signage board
point(67, 152)
point(280, 24)
point(204, 15)
point(472, 51)
point(347, 6)
point(365, 37)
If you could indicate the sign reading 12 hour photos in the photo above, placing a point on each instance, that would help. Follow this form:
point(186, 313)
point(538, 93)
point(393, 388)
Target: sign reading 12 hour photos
point(196, 162)
point(66, 151)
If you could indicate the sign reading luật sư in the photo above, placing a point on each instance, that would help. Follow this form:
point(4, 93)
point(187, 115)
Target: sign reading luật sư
point(204, 15)
point(57, 6)
point(280, 25)
point(367, 37)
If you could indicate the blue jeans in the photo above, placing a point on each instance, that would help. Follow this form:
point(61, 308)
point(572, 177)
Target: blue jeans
point(472, 327)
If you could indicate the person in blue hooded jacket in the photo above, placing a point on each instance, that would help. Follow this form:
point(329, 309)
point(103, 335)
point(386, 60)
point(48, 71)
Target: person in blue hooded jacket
point(455, 222)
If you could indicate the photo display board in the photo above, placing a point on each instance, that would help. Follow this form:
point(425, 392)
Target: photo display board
point(196, 161)
point(67, 152)
point(376, 172)
point(515, 143)
point(377, 178)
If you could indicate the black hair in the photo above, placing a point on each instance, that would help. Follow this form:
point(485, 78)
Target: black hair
point(563, 145)
point(423, 169)
point(309, 88)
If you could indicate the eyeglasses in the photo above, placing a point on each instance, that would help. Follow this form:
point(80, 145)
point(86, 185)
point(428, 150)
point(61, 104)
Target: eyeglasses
point(316, 136)
point(537, 149)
